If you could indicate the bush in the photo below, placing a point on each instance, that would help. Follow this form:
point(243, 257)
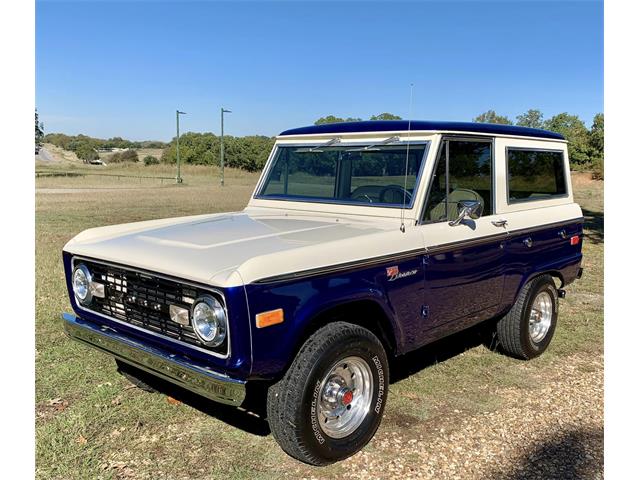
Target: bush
point(150, 160)
point(598, 169)
point(126, 156)
point(85, 152)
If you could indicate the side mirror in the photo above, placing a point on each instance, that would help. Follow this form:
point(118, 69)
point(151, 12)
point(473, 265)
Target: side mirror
point(467, 208)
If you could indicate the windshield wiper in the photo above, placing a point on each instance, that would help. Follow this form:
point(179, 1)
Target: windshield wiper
point(318, 148)
point(373, 146)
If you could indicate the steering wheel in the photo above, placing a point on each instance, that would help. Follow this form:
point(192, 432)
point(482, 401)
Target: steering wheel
point(391, 192)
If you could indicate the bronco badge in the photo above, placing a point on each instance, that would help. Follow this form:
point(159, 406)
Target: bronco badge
point(393, 273)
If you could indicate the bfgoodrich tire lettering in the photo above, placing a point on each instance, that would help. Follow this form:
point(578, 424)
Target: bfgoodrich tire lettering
point(293, 404)
point(513, 329)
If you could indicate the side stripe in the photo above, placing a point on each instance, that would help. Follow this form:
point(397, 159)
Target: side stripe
point(411, 253)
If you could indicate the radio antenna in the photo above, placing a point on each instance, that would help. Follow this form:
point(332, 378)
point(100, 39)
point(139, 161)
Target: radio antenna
point(406, 162)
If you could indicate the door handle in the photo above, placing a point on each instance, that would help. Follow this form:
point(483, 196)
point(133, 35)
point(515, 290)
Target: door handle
point(528, 242)
point(563, 234)
point(499, 223)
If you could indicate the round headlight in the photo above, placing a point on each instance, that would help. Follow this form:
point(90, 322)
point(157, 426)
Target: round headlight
point(209, 321)
point(81, 284)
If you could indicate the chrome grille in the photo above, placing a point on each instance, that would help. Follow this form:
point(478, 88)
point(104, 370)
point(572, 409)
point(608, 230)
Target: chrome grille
point(143, 300)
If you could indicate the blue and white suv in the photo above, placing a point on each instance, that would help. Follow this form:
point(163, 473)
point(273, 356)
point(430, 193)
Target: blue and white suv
point(362, 241)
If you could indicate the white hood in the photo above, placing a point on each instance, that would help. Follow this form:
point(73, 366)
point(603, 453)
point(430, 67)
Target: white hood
point(256, 243)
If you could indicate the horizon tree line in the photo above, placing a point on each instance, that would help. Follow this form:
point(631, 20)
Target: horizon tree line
point(250, 152)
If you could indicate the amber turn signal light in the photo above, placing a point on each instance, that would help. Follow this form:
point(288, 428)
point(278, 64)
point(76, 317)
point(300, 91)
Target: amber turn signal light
point(272, 317)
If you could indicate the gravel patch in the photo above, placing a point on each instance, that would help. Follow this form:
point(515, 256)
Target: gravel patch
point(554, 430)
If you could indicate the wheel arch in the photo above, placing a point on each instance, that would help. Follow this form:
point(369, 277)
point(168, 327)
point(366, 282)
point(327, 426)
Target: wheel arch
point(555, 274)
point(365, 312)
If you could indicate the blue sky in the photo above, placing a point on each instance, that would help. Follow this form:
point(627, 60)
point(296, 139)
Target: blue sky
point(122, 68)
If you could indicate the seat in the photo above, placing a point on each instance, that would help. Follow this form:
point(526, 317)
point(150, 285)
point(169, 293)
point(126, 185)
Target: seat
point(438, 213)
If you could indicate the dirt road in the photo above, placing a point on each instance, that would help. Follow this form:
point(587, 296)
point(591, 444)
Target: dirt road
point(45, 156)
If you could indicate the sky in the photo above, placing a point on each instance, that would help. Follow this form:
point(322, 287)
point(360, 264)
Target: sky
point(109, 68)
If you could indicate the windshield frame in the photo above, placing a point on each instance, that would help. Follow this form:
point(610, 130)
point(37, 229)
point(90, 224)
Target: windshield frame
point(257, 195)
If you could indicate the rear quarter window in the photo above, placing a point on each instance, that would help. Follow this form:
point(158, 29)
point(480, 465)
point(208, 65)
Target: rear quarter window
point(534, 174)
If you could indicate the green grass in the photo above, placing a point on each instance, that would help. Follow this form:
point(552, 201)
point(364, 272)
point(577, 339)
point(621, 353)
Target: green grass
point(101, 428)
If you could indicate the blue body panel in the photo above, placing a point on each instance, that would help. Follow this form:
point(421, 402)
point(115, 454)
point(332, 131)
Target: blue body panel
point(422, 125)
point(460, 285)
point(463, 285)
point(549, 253)
point(448, 289)
point(303, 299)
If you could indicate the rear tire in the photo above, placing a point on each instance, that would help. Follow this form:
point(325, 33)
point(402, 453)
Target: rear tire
point(526, 331)
point(330, 402)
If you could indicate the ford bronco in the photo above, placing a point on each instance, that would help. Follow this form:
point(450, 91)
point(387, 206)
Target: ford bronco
point(362, 241)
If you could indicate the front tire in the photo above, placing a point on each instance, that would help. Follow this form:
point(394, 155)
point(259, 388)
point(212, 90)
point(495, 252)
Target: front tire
point(330, 402)
point(526, 331)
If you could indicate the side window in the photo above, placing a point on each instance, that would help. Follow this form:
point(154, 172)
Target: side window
point(535, 174)
point(463, 172)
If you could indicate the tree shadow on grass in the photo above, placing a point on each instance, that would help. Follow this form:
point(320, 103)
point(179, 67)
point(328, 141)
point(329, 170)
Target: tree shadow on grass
point(574, 454)
point(593, 225)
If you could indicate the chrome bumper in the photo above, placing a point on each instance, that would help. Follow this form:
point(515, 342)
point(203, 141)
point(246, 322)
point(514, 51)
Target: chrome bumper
point(171, 367)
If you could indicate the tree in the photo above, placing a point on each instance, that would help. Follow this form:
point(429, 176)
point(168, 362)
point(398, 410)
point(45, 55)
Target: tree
point(490, 116)
point(333, 119)
point(532, 119)
point(577, 135)
point(85, 152)
point(596, 144)
point(248, 153)
point(39, 131)
point(385, 116)
point(126, 156)
point(596, 136)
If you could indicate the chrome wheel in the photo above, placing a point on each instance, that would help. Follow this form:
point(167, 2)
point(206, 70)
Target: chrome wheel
point(540, 316)
point(345, 396)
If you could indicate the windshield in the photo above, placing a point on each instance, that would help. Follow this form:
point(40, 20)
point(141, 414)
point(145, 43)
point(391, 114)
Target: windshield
point(348, 174)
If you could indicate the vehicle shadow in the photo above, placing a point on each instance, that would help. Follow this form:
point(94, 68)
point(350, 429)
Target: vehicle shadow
point(441, 350)
point(251, 417)
point(571, 454)
point(593, 225)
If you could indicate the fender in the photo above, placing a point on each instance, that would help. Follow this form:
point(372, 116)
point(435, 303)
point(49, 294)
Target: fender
point(549, 255)
point(304, 300)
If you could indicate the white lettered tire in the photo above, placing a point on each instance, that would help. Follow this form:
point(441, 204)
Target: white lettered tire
point(330, 402)
point(526, 331)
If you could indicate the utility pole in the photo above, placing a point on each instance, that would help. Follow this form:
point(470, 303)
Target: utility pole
point(222, 112)
point(178, 113)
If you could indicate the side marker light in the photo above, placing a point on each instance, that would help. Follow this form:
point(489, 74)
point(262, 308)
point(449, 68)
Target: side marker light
point(272, 317)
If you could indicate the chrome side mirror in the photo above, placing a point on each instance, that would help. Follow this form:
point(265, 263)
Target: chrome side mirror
point(467, 208)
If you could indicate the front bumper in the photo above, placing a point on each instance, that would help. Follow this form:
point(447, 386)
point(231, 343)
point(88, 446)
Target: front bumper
point(172, 367)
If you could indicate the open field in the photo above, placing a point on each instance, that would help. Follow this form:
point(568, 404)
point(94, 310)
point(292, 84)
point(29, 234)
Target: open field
point(455, 409)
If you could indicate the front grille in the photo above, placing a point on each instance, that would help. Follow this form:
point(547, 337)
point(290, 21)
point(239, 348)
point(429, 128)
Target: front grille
point(143, 300)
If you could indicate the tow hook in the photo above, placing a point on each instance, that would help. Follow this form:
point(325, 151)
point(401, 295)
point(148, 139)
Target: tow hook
point(562, 293)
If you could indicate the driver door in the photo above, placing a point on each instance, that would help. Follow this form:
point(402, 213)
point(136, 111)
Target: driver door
point(464, 272)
